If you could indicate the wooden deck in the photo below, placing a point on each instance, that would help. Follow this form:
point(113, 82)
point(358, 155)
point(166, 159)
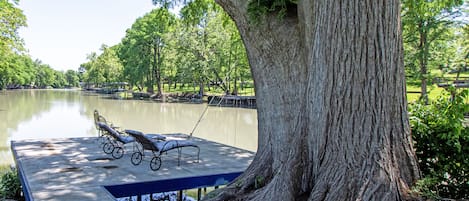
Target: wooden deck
point(78, 169)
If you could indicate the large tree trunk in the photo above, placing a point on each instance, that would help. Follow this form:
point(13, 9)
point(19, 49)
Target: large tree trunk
point(332, 113)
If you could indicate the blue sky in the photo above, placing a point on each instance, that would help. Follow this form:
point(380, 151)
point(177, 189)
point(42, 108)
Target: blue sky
point(62, 32)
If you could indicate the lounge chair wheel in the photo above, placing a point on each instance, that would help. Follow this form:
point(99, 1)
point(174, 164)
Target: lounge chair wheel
point(108, 148)
point(136, 158)
point(155, 163)
point(118, 152)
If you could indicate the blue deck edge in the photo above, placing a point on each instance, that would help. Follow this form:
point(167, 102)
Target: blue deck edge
point(24, 181)
point(144, 188)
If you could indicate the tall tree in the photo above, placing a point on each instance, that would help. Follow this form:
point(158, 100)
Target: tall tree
point(330, 85)
point(11, 19)
point(215, 46)
point(424, 23)
point(463, 52)
point(93, 74)
point(109, 64)
point(197, 15)
point(72, 77)
point(146, 37)
point(103, 68)
point(134, 58)
point(45, 75)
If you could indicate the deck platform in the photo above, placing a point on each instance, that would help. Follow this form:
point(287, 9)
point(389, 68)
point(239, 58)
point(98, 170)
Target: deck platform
point(77, 169)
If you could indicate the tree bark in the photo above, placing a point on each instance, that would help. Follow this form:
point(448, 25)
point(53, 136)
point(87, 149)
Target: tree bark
point(333, 124)
point(159, 61)
point(423, 58)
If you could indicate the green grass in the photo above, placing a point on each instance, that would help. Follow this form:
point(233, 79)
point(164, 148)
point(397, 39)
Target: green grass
point(453, 75)
point(433, 92)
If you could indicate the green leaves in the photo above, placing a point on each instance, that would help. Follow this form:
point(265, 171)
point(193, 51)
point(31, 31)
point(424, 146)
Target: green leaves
point(105, 68)
point(142, 51)
point(202, 46)
point(11, 19)
point(429, 36)
point(195, 11)
point(260, 8)
point(10, 186)
point(441, 143)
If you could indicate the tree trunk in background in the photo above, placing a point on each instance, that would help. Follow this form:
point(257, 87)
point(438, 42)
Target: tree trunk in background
point(157, 62)
point(201, 88)
point(150, 73)
point(423, 62)
point(333, 124)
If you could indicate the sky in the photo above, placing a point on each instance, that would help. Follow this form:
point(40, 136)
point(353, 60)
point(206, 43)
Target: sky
point(62, 32)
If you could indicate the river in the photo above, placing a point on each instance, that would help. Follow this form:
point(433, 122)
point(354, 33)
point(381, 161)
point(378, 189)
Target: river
point(39, 114)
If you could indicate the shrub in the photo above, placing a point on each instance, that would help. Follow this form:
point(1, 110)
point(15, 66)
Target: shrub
point(441, 143)
point(10, 186)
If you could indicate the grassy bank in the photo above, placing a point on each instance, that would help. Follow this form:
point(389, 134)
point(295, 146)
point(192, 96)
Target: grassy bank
point(433, 90)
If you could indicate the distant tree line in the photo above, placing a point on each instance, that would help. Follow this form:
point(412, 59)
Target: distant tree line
point(17, 69)
point(202, 48)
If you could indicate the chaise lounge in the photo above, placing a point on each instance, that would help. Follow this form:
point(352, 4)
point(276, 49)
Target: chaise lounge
point(115, 140)
point(101, 133)
point(158, 147)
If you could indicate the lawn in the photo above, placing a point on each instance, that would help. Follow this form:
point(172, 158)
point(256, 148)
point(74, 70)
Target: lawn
point(433, 90)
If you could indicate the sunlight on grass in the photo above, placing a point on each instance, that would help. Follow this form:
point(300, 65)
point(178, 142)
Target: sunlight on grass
point(433, 90)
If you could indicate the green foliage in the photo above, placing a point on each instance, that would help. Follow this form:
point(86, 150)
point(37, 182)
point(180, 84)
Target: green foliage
point(142, 51)
point(16, 68)
point(428, 36)
point(195, 11)
point(200, 48)
point(103, 68)
point(442, 143)
point(72, 78)
point(425, 187)
point(211, 51)
point(259, 8)
point(11, 19)
point(259, 182)
point(10, 186)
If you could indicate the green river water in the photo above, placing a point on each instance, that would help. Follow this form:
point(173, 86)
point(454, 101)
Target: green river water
point(39, 114)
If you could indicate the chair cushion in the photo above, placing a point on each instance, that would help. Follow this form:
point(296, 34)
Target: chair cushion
point(116, 135)
point(171, 144)
point(126, 139)
point(156, 136)
point(148, 136)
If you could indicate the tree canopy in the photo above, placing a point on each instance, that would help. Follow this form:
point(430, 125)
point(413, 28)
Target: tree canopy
point(427, 34)
point(17, 69)
point(200, 48)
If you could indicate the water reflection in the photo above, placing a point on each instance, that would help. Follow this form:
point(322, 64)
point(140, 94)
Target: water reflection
point(63, 113)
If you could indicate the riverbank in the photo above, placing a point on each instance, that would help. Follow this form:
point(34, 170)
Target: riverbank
point(183, 97)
